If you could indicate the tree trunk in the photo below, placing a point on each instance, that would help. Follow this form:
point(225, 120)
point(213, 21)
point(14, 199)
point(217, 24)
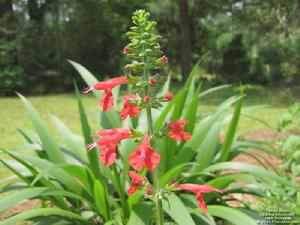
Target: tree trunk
point(185, 39)
point(36, 12)
point(5, 7)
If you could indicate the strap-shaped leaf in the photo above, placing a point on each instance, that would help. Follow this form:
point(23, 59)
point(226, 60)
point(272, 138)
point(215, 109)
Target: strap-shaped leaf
point(232, 215)
point(72, 141)
point(255, 170)
point(43, 212)
point(101, 200)
point(214, 89)
point(177, 210)
point(230, 135)
point(58, 173)
point(35, 192)
point(86, 131)
point(49, 144)
point(208, 149)
point(87, 76)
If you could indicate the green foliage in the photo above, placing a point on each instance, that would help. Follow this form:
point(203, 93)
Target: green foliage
point(235, 61)
point(11, 79)
point(37, 38)
point(289, 150)
point(82, 190)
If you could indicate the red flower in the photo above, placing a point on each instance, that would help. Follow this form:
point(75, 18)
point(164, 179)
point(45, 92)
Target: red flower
point(149, 191)
point(198, 190)
point(129, 108)
point(126, 50)
point(137, 180)
point(107, 132)
point(169, 96)
point(152, 81)
point(144, 156)
point(147, 99)
point(107, 101)
point(111, 137)
point(164, 59)
point(177, 133)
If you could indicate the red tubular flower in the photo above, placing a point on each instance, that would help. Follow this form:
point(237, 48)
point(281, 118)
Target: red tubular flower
point(126, 50)
point(147, 99)
point(144, 156)
point(169, 96)
point(137, 180)
point(198, 190)
point(164, 59)
point(108, 143)
point(107, 101)
point(177, 133)
point(129, 108)
point(107, 132)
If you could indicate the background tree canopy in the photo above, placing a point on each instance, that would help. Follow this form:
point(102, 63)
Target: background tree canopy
point(249, 41)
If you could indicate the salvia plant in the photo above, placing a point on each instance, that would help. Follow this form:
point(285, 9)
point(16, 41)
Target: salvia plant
point(161, 162)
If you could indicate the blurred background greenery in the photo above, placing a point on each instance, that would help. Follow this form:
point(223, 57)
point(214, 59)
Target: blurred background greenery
point(248, 41)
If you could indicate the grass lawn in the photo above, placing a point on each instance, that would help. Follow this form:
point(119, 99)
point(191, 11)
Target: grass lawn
point(64, 106)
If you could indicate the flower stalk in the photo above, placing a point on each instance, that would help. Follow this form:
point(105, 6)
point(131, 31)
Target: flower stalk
point(155, 173)
point(147, 59)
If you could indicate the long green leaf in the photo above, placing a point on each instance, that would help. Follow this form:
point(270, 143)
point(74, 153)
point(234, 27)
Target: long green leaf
point(101, 199)
point(165, 88)
point(33, 173)
point(51, 147)
point(86, 131)
point(35, 192)
point(58, 173)
point(110, 117)
point(222, 182)
point(177, 210)
point(257, 171)
point(214, 89)
point(173, 173)
point(72, 141)
point(190, 148)
point(190, 114)
point(140, 214)
point(208, 149)
point(230, 214)
point(226, 147)
point(87, 76)
point(43, 212)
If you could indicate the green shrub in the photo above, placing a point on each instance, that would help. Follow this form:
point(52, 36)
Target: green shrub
point(11, 79)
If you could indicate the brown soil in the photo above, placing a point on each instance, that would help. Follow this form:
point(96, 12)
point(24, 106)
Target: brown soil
point(31, 204)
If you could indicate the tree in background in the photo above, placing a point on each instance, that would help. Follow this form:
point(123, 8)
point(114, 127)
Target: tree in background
point(185, 39)
point(38, 36)
point(235, 61)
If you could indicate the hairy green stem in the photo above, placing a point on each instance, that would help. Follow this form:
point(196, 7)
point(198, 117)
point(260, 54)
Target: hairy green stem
point(155, 173)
